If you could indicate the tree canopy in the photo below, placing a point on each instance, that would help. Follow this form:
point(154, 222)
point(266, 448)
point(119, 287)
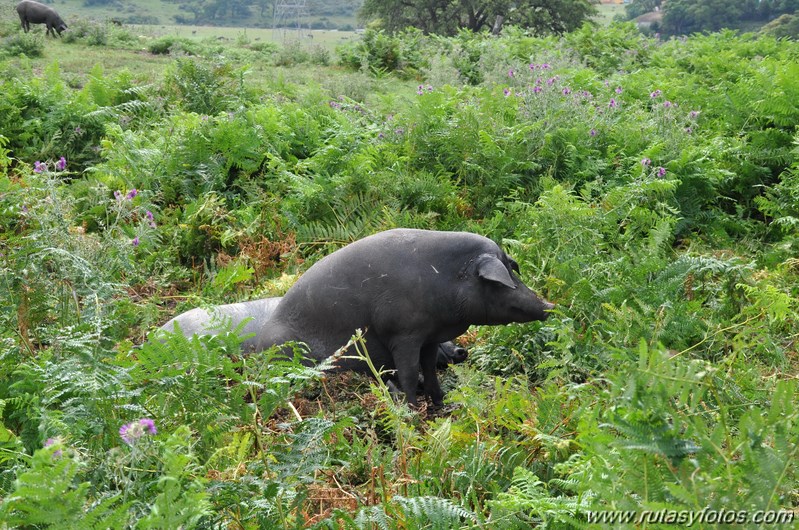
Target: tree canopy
point(445, 17)
point(683, 17)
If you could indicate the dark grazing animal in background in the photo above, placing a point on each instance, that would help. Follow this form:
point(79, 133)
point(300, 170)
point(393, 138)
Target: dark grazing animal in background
point(410, 290)
point(31, 12)
point(202, 321)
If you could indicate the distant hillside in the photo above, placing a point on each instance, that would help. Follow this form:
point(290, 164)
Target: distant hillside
point(318, 14)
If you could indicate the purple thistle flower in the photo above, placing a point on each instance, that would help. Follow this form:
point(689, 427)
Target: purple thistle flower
point(50, 441)
point(619, 90)
point(545, 66)
point(592, 132)
point(613, 103)
point(506, 91)
point(132, 193)
point(38, 167)
point(646, 162)
point(567, 91)
point(131, 432)
point(335, 105)
point(135, 242)
point(510, 72)
point(61, 165)
point(667, 104)
point(656, 94)
point(117, 195)
point(688, 130)
point(693, 114)
point(78, 130)
point(420, 90)
point(149, 215)
point(533, 66)
point(661, 171)
point(551, 81)
point(429, 88)
point(537, 89)
point(399, 130)
point(149, 425)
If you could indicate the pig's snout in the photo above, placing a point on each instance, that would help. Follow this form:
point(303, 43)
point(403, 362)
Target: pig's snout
point(459, 355)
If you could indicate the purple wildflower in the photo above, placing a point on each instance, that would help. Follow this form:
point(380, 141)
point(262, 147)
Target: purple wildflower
point(693, 114)
point(533, 66)
point(646, 162)
point(567, 91)
point(380, 136)
point(545, 66)
point(667, 104)
point(50, 441)
point(613, 104)
point(619, 90)
point(38, 167)
point(151, 217)
point(135, 241)
point(78, 130)
point(117, 195)
point(335, 105)
point(506, 91)
point(399, 130)
point(656, 94)
point(429, 88)
point(61, 165)
point(537, 89)
point(131, 432)
point(510, 72)
point(551, 81)
point(420, 90)
point(688, 130)
point(132, 193)
point(661, 171)
point(592, 132)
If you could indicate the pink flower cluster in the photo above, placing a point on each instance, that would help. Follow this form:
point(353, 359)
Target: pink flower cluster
point(132, 432)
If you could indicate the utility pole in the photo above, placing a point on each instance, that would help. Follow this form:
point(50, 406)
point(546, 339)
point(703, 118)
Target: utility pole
point(287, 20)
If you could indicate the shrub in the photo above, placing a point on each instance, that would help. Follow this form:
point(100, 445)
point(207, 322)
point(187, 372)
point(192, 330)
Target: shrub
point(28, 44)
point(203, 88)
point(82, 30)
point(169, 45)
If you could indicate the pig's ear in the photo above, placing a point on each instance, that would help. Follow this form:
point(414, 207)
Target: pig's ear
point(490, 268)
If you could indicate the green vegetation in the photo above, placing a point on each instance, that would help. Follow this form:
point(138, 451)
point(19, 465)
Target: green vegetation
point(650, 189)
point(683, 17)
point(447, 18)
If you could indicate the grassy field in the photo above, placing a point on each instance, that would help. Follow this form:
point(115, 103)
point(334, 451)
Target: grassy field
point(607, 12)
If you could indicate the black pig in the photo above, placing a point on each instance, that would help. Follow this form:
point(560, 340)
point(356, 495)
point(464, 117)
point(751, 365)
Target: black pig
point(36, 13)
point(410, 290)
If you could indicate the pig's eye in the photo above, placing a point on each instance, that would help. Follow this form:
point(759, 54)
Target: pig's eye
point(514, 266)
